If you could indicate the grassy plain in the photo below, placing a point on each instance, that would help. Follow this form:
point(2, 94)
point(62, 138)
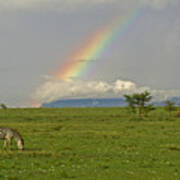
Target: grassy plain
point(92, 144)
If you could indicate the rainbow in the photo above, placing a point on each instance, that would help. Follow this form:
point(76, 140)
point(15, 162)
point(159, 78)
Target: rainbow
point(78, 63)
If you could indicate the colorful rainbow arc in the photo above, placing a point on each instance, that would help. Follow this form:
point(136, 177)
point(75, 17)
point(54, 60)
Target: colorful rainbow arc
point(79, 62)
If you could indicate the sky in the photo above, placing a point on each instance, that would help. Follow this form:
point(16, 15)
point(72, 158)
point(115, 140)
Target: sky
point(37, 36)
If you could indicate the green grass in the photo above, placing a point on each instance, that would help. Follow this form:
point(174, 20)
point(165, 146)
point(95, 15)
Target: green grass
point(92, 144)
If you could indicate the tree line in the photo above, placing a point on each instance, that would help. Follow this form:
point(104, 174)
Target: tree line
point(140, 103)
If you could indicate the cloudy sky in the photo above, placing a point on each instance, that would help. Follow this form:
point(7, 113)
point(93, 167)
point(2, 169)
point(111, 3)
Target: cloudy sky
point(37, 35)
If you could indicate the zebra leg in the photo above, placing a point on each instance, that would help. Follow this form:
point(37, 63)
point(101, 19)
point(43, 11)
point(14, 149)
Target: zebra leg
point(5, 144)
point(10, 144)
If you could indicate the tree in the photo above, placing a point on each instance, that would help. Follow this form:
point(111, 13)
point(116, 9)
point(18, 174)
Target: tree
point(131, 104)
point(140, 101)
point(3, 106)
point(148, 109)
point(169, 106)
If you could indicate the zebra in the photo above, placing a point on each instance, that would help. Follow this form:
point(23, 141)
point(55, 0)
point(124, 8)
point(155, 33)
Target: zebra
point(8, 134)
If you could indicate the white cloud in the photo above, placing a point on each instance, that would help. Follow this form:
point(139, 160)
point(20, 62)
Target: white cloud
point(123, 86)
point(54, 89)
point(73, 4)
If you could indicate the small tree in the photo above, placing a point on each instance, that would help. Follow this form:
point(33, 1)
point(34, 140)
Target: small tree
point(131, 104)
point(148, 109)
point(3, 106)
point(141, 100)
point(169, 106)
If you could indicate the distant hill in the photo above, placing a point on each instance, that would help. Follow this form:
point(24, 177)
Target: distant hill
point(113, 102)
point(103, 102)
point(176, 100)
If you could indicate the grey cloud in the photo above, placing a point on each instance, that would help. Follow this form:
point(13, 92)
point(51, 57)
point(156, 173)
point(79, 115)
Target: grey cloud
point(73, 4)
point(33, 43)
point(159, 4)
point(48, 4)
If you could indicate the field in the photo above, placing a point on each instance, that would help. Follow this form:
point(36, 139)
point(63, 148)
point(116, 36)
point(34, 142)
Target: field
point(92, 144)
